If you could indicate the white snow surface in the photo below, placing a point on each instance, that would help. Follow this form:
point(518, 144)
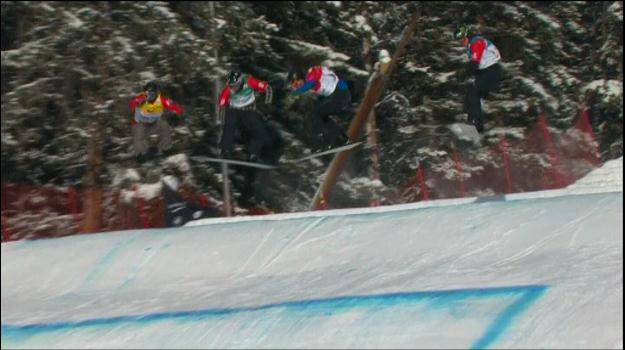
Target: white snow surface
point(531, 270)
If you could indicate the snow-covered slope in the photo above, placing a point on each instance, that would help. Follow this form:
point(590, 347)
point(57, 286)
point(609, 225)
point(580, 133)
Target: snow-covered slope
point(605, 179)
point(535, 270)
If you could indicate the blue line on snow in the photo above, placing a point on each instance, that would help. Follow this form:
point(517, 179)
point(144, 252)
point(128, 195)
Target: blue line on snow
point(506, 318)
point(503, 321)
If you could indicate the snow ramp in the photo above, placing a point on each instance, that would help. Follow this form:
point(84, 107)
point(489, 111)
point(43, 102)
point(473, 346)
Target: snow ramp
point(532, 270)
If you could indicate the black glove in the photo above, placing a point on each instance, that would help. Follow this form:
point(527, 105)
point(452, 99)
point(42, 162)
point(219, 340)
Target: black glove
point(221, 114)
point(268, 95)
point(472, 68)
point(226, 154)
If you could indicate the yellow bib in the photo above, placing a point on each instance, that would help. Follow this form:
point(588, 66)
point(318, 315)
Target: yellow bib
point(153, 109)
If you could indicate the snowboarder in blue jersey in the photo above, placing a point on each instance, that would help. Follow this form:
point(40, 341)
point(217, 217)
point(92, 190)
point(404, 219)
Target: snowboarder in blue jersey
point(333, 97)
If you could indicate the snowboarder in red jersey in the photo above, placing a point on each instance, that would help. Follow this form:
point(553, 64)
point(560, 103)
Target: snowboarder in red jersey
point(243, 123)
point(149, 106)
point(484, 66)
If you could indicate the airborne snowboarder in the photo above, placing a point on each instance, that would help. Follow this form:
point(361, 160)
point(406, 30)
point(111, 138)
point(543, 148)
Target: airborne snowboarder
point(243, 123)
point(484, 66)
point(333, 97)
point(149, 106)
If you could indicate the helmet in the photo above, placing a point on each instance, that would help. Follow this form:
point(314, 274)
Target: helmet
point(234, 77)
point(296, 74)
point(296, 78)
point(151, 87)
point(462, 31)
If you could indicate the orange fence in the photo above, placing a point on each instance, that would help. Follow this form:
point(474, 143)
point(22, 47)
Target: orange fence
point(543, 159)
point(50, 211)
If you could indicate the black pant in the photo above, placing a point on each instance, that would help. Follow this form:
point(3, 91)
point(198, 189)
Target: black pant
point(486, 80)
point(325, 131)
point(250, 128)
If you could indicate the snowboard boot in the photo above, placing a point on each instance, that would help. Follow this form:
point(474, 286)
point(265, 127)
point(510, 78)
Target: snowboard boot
point(168, 152)
point(341, 140)
point(141, 158)
point(479, 126)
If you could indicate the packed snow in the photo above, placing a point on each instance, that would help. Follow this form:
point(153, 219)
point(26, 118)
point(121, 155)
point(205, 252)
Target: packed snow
point(530, 270)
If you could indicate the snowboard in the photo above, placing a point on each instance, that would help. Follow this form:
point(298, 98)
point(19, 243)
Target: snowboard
point(282, 161)
point(322, 153)
point(234, 161)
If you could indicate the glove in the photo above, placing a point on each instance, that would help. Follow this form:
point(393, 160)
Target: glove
point(222, 115)
point(472, 68)
point(268, 95)
point(289, 100)
point(226, 154)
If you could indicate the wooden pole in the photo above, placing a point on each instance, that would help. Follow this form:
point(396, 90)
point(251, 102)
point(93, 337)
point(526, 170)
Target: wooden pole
point(503, 145)
point(456, 157)
point(372, 129)
point(373, 93)
point(374, 169)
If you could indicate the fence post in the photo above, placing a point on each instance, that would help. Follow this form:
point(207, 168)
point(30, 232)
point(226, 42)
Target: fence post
point(424, 190)
point(73, 207)
point(583, 124)
point(503, 146)
point(141, 209)
point(459, 172)
point(203, 200)
point(142, 214)
point(6, 234)
point(551, 151)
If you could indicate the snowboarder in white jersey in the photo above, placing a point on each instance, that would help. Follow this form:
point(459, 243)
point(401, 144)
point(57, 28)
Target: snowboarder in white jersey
point(333, 97)
point(484, 66)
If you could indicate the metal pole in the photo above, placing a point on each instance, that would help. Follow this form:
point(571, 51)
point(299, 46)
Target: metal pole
point(216, 87)
point(227, 205)
point(218, 121)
